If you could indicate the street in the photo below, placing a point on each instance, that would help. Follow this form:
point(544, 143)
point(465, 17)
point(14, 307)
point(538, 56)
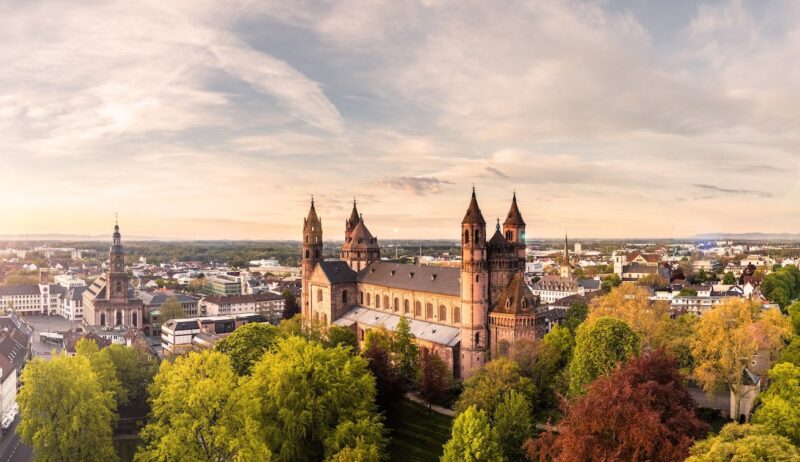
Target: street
point(12, 449)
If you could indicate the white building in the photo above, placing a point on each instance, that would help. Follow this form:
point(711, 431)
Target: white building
point(267, 303)
point(177, 335)
point(68, 281)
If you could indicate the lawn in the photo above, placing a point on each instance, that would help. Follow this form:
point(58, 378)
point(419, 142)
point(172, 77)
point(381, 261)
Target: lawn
point(417, 434)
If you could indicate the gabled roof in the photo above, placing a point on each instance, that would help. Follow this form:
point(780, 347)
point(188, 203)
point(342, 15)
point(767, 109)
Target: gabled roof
point(431, 279)
point(337, 271)
point(514, 217)
point(517, 298)
point(473, 215)
point(638, 268)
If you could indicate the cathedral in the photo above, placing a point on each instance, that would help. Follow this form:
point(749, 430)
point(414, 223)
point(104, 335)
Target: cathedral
point(468, 315)
point(110, 300)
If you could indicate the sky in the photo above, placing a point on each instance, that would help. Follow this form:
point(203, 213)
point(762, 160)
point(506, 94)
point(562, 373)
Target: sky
point(219, 119)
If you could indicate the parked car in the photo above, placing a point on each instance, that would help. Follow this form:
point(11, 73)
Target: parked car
point(7, 421)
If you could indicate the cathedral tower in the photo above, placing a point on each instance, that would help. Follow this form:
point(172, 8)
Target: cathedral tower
point(312, 254)
point(350, 223)
point(474, 290)
point(118, 279)
point(514, 230)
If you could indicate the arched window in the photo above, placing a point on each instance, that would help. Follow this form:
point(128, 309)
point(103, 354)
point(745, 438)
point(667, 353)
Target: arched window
point(319, 295)
point(133, 319)
point(306, 238)
point(417, 309)
point(477, 338)
point(466, 236)
point(102, 319)
point(119, 318)
point(308, 253)
point(428, 310)
point(396, 304)
point(442, 313)
point(369, 298)
point(344, 296)
point(477, 278)
point(477, 236)
point(325, 319)
point(456, 315)
point(386, 305)
point(406, 308)
point(377, 301)
point(361, 298)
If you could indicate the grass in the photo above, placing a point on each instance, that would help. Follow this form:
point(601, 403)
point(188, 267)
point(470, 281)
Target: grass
point(417, 434)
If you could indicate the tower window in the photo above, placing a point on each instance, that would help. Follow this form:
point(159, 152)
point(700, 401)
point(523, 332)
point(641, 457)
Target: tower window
point(316, 253)
point(466, 236)
point(477, 339)
point(477, 236)
point(477, 278)
point(344, 296)
point(308, 254)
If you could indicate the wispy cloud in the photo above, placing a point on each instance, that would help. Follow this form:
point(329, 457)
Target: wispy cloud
point(415, 185)
point(716, 191)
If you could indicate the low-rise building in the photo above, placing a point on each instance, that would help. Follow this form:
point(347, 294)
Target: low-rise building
point(177, 335)
point(153, 301)
point(267, 303)
point(15, 341)
point(223, 284)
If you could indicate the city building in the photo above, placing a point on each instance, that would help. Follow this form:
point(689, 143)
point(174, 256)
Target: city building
point(15, 341)
point(153, 301)
point(72, 304)
point(110, 300)
point(32, 299)
point(223, 284)
point(462, 313)
point(178, 335)
point(266, 303)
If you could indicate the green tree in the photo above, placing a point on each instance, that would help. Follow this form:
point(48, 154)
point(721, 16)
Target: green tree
point(576, 314)
point(687, 292)
point(406, 354)
point(512, 423)
point(341, 336)
point(793, 311)
point(486, 388)
point(676, 337)
point(791, 354)
point(737, 442)
point(103, 366)
point(305, 393)
point(290, 307)
point(171, 309)
point(356, 441)
point(134, 369)
point(779, 411)
point(434, 377)
point(197, 414)
point(599, 346)
point(549, 370)
point(247, 344)
point(729, 278)
point(472, 439)
point(66, 413)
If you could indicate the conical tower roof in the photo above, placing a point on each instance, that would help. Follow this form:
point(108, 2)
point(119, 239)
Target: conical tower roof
point(517, 298)
point(473, 215)
point(498, 240)
point(514, 217)
point(354, 217)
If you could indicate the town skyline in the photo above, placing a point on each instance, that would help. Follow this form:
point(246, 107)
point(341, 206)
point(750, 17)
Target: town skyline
point(221, 119)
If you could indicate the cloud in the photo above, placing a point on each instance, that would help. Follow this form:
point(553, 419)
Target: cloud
point(716, 191)
point(497, 172)
point(416, 185)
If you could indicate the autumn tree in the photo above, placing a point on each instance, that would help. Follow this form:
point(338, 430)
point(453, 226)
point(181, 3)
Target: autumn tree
point(434, 377)
point(197, 413)
point(67, 414)
point(171, 309)
point(728, 336)
point(512, 424)
point(599, 346)
point(632, 305)
point(305, 393)
point(641, 411)
point(793, 311)
point(747, 442)
point(247, 344)
point(472, 439)
point(486, 388)
point(779, 409)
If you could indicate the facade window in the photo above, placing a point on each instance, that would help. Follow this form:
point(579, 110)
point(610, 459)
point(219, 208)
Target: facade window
point(417, 309)
point(386, 302)
point(308, 254)
point(396, 304)
point(344, 296)
point(456, 315)
point(477, 338)
point(442, 313)
point(377, 301)
point(361, 297)
point(102, 319)
point(319, 295)
point(406, 309)
point(133, 319)
point(369, 298)
point(466, 236)
point(477, 278)
point(119, 318)
point(428, 310)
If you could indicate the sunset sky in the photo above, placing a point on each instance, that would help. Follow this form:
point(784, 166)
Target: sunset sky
point(198, 119)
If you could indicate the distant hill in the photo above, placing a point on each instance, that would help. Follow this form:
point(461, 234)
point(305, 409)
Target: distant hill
point(747, 236)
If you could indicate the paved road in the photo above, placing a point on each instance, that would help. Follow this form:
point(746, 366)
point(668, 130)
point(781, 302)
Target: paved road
point(12, 449)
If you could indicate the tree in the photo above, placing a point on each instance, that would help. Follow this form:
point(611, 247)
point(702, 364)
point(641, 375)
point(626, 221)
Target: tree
point(512, 423)
point(793, 311)
point(687, 292)
point(676, 337)
point(66, 412)
point(472, 439)
point(576, 314)
point(486, 388)
point(729, 278)
point(171, 309)
point(305, 393)
point(103, 366)
point(290, 307)
point(632, 305)
point(406, 354)
point(782, 286)
point(197, 414)
point(196, 285)
point(641, 411)
point(737, 442)
point(135, 369)
point(728, 336)
point(341, 336)
point(380, 364)
point(779, 411)
point(247, 344)
point(434, 377)
point(791, 354)
point(547, 370)
point(599, 345)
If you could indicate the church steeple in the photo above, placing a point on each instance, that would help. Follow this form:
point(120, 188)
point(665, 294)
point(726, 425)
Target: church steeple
point(566, 268)
point(473, 215)
point(117, 277)
point(350, 223)
point(311, 255)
